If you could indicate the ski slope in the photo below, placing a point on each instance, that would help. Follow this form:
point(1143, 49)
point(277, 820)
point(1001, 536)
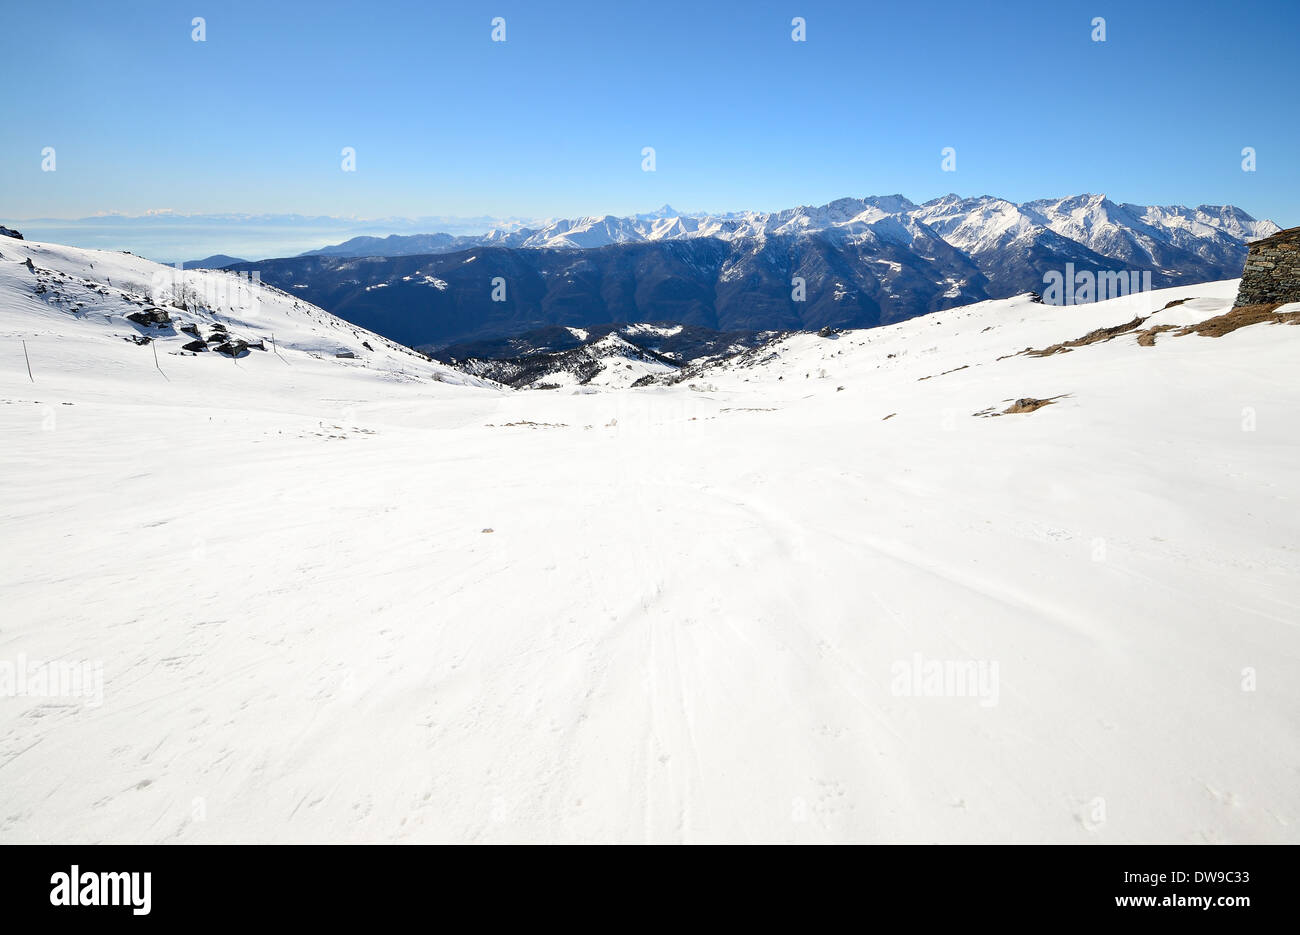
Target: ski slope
point(373, 599)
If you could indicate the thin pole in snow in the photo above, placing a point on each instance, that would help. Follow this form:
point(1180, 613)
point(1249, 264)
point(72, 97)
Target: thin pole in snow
point(276, 350)
point(154, 345)
point(29, 363)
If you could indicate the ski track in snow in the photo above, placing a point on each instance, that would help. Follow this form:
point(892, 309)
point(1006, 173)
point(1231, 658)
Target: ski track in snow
point(682, 624)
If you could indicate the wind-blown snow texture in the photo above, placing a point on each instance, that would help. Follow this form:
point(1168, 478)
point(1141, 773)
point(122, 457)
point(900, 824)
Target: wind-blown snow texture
point(341, 599)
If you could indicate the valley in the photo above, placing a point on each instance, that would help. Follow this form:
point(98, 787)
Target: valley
point(377, 598)
point(851, 263)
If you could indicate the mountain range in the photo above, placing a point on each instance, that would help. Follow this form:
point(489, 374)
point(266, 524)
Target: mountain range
point(975, 224)
point(863, 262)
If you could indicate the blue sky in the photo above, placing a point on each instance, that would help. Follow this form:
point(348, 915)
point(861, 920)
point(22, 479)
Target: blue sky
point(552, 122)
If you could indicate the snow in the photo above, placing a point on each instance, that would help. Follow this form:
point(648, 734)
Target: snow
point(663, 331)
point(975, 225)
point(621, 364)
point(103, 287)
point(698, 613)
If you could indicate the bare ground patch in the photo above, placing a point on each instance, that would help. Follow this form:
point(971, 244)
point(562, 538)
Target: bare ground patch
point(1092, 337)
point(945, 373)
point(528, 424)
point(1215, 327)
point(1023, 405)
point(1240, 317)
point(1147, 338)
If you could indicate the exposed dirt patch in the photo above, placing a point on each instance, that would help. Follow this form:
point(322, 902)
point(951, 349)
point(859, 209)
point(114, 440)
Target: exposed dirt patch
point(1092, 337)
point(1028, 404)
point(1148, 338)
point(945, 373)
point(1018, 406)
point(1215, 327)
point(1240, 317)
point(528, 424)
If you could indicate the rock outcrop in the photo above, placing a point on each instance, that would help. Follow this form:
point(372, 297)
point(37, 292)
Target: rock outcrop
point(1272, 273)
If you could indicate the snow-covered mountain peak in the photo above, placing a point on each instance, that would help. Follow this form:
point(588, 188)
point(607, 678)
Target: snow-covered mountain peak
point(664, 211)
point(977, 225)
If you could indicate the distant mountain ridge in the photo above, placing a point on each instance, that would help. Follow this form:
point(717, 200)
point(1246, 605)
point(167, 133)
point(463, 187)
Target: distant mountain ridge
point(216, 261)
point(852, 263)
point(974, 224)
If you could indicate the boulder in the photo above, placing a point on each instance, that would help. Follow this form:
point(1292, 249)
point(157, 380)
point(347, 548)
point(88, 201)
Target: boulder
point(232, 348)
point(151, 317)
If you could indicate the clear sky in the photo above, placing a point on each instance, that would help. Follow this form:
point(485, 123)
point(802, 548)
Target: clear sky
point(552, 122)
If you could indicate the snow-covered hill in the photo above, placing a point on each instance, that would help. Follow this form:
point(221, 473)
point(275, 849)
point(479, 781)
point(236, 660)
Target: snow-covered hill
point(825, 591)
point(610, 362)
point(612, 355)
point(96, 317)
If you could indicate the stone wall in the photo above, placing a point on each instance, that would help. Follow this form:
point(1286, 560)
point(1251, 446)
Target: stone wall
point(1272, 273)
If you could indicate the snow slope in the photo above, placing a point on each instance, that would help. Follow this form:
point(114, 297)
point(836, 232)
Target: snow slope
point(607, 361)
point(71, 309)
point(620, 364)
point(342, 600)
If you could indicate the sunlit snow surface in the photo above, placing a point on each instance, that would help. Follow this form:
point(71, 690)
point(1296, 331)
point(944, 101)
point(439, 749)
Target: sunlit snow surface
point(689, 617)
